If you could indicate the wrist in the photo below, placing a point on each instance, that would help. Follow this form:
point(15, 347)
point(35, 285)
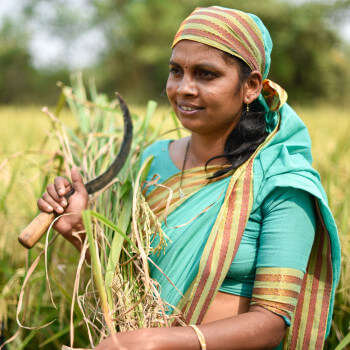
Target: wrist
point(171, 338)
point(200, 337)
point(76, 236)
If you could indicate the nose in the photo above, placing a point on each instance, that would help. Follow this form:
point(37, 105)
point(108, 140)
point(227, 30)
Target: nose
point(187, 86)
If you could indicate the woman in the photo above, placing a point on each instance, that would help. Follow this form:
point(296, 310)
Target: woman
point(254, 258)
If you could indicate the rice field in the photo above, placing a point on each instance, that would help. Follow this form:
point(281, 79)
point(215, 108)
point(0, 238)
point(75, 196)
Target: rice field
point(27, 150)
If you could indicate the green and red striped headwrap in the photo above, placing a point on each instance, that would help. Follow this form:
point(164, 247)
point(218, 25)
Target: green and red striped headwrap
point(240, 34)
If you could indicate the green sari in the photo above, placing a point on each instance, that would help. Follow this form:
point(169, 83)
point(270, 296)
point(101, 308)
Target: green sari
point(212, 217)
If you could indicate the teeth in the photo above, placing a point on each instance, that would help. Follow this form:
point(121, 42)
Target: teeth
point(188, 108)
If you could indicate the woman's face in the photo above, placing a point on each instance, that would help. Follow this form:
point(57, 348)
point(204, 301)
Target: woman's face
point(204, 89)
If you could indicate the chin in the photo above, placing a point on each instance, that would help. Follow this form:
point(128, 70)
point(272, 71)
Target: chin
point(191, 126)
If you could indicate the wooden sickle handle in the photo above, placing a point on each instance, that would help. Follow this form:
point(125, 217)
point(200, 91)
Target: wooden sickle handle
point(36, 229)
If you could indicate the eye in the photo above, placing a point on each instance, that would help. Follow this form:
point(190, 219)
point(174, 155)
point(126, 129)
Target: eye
point(175, 70)
point(207, 74)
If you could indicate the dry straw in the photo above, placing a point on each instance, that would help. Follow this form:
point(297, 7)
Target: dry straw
point(115, 293)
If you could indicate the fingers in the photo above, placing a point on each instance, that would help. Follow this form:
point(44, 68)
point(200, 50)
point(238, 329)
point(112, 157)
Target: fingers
point(52, 191)
point(47, 203)
point(44, 206)
point(54, 198)
point(62, 185)
point(77, 180)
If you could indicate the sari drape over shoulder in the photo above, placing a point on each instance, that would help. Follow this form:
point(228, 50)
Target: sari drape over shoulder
point(211, 218)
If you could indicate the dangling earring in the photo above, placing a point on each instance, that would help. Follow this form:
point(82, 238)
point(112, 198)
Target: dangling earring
point(247, 103)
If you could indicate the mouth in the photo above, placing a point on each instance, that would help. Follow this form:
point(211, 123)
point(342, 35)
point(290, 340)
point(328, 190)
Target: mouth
point(188, 107)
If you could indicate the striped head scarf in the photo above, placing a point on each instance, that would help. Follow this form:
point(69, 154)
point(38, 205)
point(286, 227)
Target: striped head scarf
point(240, 34)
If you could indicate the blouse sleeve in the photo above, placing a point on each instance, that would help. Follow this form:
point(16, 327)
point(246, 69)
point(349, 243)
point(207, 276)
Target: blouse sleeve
point(286, 238)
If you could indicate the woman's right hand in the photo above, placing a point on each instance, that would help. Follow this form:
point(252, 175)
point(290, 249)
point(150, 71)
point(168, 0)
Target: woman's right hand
point(53, 200)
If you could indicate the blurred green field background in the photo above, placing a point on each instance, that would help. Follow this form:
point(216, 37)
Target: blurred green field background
point(26, 148)
point(128, 48)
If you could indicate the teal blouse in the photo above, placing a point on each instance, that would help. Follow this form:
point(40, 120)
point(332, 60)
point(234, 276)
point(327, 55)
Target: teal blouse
point(279, 232)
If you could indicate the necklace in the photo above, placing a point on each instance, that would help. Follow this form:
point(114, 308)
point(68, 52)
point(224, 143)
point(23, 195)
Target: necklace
point(183, 169)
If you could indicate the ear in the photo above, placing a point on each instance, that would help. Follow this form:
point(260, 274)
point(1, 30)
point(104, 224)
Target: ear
point(253, 86)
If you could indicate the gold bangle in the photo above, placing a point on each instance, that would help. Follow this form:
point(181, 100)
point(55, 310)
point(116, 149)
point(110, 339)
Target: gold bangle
point(200, 337)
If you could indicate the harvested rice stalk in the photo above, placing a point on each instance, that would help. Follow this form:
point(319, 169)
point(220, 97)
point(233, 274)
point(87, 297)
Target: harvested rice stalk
point(117, 293)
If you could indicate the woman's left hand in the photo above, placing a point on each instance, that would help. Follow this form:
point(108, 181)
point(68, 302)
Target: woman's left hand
point(125, 341)
point(166, 338)
point(257, 329)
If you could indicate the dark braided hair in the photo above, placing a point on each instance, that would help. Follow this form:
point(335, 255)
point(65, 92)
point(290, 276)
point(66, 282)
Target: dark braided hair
point(249, 132)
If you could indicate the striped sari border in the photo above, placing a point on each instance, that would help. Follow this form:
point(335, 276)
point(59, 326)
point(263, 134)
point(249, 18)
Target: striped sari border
point(296, 331)
point(326, 299)
point(310, 324)
point(313, 297)
point(277, 289)
point(206, 271)
point(276, 292)
point(275, 304)
point(220, 272)
point(278, 278)
point(203, 280)
point(204, 292)
point(222, 257)
point(166, 195)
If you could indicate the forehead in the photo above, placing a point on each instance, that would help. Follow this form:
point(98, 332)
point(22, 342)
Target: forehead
point(191, 52)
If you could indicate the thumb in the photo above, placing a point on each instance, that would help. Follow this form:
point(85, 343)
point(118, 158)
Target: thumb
point(77, 180)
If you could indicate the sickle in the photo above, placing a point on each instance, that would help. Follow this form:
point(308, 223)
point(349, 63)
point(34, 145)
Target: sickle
point(41, 223)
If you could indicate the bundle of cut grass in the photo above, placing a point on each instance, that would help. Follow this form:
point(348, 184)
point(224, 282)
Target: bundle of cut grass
point(117, 293)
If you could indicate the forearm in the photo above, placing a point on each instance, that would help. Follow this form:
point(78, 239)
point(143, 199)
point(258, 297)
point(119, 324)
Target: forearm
point(257, 329)
point(251, 330)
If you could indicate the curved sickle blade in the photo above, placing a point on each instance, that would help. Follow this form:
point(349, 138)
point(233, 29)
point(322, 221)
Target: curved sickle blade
point(41, 223)
point(104, 179)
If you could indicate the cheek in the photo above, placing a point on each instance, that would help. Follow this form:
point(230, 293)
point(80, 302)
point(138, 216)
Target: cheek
point(229, 91)
point(170, 89)
point(224, 99)
point(235, 96)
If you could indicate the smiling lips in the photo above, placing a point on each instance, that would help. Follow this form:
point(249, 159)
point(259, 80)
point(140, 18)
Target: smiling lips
point(188, 108)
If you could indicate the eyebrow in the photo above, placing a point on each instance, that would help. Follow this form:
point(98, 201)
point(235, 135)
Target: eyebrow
point(205, 65)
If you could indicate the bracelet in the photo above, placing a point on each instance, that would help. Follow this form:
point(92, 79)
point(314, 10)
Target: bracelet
point(200, 337)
